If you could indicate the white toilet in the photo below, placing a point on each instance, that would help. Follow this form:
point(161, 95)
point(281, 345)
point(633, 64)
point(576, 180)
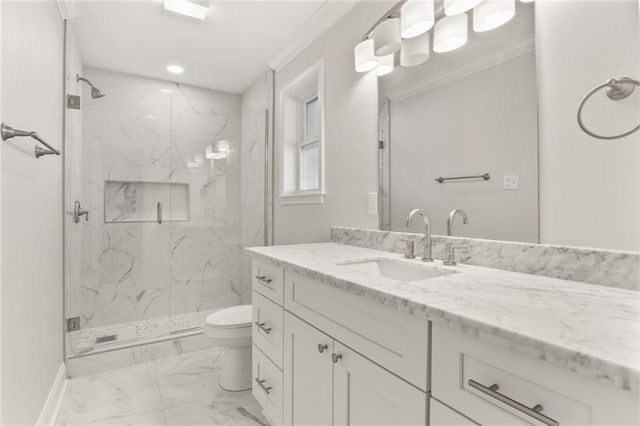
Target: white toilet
point(231, 329)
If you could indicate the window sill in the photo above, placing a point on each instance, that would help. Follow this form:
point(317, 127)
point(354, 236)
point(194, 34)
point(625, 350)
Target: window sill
point(300, 198)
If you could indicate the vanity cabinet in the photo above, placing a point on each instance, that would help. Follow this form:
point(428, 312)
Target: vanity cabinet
point(326, 356)
point(328, 383)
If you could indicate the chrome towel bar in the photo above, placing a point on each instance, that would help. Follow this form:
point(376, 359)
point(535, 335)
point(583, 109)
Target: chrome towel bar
point(485, 176)
point(8, 132)
point(617, 89)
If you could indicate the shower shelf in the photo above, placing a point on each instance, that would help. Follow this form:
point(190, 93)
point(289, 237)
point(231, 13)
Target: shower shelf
point(140, 201)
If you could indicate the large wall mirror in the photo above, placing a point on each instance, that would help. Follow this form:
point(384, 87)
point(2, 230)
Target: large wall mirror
point(460, 131)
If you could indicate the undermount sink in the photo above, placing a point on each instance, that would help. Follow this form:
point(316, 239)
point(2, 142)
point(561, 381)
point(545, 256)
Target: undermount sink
point(394, 269)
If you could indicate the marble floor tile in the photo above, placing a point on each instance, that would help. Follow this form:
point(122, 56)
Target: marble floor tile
point(177, 390)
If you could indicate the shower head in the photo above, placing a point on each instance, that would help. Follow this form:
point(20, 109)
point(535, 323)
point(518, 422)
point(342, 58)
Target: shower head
point(95, 92)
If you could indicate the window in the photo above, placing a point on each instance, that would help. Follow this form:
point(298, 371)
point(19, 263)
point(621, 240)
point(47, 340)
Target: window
point(310, 147)
point(301, 140)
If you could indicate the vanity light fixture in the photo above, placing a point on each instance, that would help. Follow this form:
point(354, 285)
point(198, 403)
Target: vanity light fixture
point(492, 13)
point(175, 69)
point(415, 51)
point(450, 33)
point(456, 7)
point(364, 56)
point(386, 37)
point(385, 65)
point(186, 8)
point(416, 18)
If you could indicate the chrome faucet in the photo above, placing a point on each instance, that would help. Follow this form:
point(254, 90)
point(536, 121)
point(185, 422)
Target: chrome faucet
point(426, 255)
point(452, 215)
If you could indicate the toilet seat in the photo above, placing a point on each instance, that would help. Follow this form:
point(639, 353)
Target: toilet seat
point(233, 317)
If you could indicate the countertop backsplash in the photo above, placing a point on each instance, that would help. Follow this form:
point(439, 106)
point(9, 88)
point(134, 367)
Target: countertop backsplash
point(593, 266)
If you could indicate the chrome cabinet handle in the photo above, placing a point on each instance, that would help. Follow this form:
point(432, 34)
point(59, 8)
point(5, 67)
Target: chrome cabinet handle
point(265, 389)
point(262, 326)
point(263, 279)
point(322, 347)
point(159, 212)
point(535, 412)
point(78, 212)
point(336, 357)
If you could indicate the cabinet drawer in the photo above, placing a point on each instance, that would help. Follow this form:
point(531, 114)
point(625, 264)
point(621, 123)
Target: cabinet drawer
point(494, 385)
point(392, 339)
point(268, 280)
point(267, 386)
point(268, 327)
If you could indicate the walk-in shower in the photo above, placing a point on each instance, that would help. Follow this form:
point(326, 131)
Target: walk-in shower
point(157, 166)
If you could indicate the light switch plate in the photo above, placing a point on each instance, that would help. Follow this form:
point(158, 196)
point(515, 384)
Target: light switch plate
point(373, 203)
point(511, 182)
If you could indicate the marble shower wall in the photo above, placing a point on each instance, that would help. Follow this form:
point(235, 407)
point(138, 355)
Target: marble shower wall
point(157, 132)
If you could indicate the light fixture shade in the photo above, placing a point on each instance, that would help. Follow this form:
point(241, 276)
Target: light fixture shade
point(450, 33)
point(364, 56)
point(415, 51)
point(386, 37)
point(492, 13)
point(416, 18)
point(456, 7)
point(385, 65)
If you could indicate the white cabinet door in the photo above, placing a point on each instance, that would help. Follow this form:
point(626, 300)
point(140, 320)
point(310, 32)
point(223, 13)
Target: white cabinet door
point(366, 394)
point(441, 415)
point(308, 374)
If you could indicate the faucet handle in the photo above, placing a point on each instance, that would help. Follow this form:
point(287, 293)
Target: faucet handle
point(410, 250)
point(450, 255)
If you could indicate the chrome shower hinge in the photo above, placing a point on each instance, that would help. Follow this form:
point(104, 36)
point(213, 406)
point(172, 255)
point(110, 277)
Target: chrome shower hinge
point(73, 102)
point(73, 324)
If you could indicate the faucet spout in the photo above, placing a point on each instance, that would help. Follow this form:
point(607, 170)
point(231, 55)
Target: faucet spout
point(426, 255)
point(452, 215)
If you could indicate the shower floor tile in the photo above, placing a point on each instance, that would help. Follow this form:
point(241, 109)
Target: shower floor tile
point(177, 390)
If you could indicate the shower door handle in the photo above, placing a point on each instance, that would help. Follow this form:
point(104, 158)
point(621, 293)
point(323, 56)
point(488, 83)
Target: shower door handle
point(78, 212)
point(159, 212)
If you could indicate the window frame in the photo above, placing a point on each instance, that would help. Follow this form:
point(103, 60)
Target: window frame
point(293, 100)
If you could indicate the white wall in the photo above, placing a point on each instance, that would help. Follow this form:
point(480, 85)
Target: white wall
point(465, 127)
point(350, 151)
point(589, 188)
point(31, 203)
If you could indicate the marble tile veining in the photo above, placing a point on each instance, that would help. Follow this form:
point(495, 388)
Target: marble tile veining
point(589, 329)
point(177, 390)
point(601, 267)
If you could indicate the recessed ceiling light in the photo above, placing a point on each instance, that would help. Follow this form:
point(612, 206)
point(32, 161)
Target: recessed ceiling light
point(186, 8)
point(175, 69)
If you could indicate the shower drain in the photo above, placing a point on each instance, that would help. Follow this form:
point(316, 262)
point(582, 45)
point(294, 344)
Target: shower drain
point(107, 338)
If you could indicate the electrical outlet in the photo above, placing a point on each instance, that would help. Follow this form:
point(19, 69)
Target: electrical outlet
point(511, 182)
point(373, 203)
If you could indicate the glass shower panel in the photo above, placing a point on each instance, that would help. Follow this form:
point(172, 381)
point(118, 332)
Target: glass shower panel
point(118, 168)
point(205, 252)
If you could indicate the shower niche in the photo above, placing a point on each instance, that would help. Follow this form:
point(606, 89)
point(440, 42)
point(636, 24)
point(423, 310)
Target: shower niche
point(138, 201)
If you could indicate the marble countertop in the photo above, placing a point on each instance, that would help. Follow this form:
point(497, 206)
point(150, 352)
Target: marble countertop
point(589, 329)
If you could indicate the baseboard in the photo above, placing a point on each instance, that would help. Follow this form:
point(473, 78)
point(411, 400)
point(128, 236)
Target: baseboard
point(54, 400)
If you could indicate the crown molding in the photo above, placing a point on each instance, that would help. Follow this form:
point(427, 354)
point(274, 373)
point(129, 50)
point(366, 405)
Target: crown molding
point(457, 72)
point(328, 14)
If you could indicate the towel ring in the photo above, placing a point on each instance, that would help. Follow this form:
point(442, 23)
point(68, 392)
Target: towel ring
point(616, 89)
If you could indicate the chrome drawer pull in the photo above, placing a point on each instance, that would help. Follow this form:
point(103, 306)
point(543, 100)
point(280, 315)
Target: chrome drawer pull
point(535, 412)
point(262, 326)
point(264, 280)
point(336, 357)
point(322, 347)
point(266, 389)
